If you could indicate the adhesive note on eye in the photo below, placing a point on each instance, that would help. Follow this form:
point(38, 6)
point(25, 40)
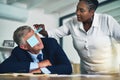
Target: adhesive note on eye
point(38, 30)
point(32, 41)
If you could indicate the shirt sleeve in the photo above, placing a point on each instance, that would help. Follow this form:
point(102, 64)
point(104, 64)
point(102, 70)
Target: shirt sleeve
point(114, 28)
point(33, 65)
point(45, 70)
point(59, 32)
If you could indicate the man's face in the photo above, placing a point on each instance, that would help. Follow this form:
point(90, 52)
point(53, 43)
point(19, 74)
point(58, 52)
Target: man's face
point(34, 43)
point(82, 12)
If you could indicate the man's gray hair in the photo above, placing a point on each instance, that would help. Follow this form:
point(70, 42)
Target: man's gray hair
point(19, 33)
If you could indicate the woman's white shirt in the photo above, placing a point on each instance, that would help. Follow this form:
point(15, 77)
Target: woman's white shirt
point(93, 46)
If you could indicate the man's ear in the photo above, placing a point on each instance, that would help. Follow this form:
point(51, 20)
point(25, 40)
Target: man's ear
point(23, 47)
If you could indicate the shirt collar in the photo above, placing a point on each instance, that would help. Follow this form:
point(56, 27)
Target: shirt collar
point(34, 56)
point(94, 24)
point(95, 20)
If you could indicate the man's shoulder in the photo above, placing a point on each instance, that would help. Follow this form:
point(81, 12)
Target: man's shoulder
point(17, 49)
point(48, 39)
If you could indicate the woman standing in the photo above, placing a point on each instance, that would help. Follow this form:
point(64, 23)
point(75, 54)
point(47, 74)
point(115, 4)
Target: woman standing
point(91, 34)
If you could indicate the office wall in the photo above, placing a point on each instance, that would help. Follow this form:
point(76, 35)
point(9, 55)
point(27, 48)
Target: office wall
point(7, 27)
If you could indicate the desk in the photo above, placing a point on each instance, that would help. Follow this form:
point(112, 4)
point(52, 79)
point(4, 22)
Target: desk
point(63, 77)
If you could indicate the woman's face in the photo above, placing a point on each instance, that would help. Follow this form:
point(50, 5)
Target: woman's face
point(83, 13)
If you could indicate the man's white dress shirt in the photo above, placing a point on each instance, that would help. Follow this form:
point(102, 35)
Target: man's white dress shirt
point(34, 64)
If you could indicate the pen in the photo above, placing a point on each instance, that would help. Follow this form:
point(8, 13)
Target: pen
point(38, 30)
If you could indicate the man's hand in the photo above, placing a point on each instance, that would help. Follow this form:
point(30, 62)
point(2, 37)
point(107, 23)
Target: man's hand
point(36, 71)
point(44, 63)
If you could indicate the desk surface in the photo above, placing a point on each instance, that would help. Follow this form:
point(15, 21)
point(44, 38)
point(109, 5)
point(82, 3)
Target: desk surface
point(61, 77)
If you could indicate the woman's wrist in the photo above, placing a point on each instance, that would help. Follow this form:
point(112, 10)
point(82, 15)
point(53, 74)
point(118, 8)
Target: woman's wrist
point(44, 33)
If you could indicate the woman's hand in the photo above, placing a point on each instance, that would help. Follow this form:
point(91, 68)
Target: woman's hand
point(43, 31)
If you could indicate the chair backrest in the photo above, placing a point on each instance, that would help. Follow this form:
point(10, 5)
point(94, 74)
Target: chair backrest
point(2, 57)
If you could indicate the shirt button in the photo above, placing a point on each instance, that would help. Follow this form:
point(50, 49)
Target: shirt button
point(86, 47)
point(85, 41)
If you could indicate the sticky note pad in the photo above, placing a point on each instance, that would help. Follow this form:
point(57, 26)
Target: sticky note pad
point(38, 30)
point(32, 41)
